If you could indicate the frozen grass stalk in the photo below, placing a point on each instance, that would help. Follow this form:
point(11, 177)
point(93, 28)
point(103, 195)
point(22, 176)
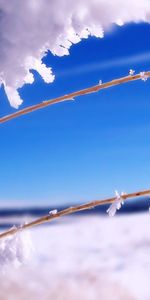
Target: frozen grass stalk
point(131, 77)
point(70, 210)
point(16, 245)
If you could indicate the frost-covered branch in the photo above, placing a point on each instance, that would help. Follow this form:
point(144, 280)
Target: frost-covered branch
point(131, 77)
point(70, 210)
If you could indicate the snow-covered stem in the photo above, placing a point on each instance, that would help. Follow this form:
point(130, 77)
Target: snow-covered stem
point(49, 217)
point(68, 97)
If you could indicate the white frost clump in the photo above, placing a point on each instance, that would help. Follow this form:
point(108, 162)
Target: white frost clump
point(143, 76)
point(16, 249)
point(116, 205)
point(30, 28)
point(131, 72)
point(53, 212)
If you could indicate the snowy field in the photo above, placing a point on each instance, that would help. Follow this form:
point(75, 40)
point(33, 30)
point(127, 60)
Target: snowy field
point(84, 257)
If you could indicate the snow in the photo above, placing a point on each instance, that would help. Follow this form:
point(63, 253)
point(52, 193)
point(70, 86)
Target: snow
point(15, 250)
point(85, 257)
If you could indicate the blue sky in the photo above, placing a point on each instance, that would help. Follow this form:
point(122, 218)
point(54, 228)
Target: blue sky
point(88, 148)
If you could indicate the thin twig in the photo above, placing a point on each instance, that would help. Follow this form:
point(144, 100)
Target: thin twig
point(70, 210)
point(71, 96)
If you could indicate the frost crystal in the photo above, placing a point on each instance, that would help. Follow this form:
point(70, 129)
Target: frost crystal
point(16, 249)
point(119, 22)
point(24, 42)
point(131, 72)
point(53, 212)
point(143, 76)
point(73, 99)
point(116, 205)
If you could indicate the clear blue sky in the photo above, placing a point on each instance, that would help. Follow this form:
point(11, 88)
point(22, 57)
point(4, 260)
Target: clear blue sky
point(85, 149)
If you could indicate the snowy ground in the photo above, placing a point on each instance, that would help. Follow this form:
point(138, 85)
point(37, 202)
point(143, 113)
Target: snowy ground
point(89, 257)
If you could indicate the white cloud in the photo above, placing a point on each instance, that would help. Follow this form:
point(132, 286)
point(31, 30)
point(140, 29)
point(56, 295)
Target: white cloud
point(29, 28)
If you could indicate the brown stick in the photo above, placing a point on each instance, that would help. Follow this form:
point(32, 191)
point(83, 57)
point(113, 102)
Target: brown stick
point(71, 96)
point(70, 210)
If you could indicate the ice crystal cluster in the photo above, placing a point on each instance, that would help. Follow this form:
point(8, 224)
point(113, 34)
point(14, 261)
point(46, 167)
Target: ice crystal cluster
point(144, 77)
point(116, 205)
point(15, 249)
point(28, 29)
point(53, 212)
